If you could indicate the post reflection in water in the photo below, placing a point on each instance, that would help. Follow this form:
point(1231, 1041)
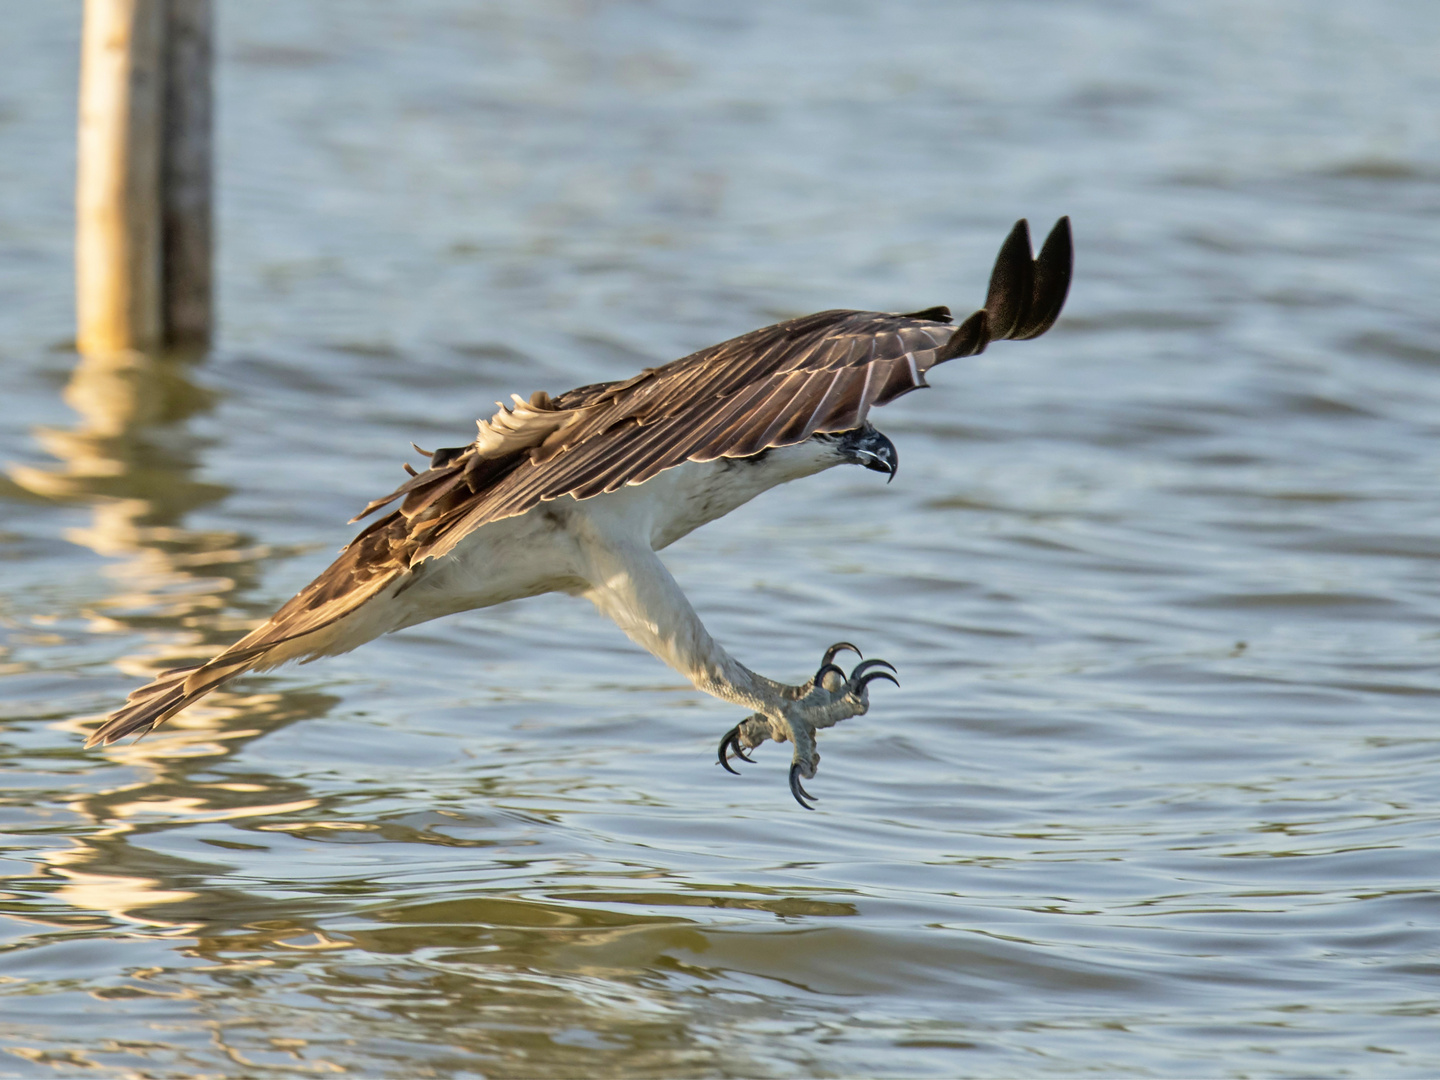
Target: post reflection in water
point(133, 461)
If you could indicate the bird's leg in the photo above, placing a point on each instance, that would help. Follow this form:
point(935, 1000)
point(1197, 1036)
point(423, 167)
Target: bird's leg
point(627, 581)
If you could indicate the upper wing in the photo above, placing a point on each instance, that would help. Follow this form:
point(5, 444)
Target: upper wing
point(772, 387)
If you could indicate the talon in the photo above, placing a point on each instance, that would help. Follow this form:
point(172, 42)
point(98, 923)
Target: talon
point(797, 789)
point(826, 668)
point(863, 667)
point(871, 676)
point(839, 647)
point(731, 741)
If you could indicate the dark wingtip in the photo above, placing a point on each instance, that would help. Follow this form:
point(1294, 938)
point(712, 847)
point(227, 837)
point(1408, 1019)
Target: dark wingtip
point(1053, 270)
point(1012, 283)
point(1026, 294)
point(446, 454)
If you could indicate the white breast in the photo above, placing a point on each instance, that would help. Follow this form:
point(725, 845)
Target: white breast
point(700, 492)
point(539, 551)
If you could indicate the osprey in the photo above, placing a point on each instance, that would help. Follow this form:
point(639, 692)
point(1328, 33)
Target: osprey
point(577, 493)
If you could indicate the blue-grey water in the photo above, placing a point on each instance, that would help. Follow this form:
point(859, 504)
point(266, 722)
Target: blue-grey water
point(1160, 795)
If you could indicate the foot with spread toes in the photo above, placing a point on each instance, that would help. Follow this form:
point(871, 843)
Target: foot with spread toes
point(828, 698)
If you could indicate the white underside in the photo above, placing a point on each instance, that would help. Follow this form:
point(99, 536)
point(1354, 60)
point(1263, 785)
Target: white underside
point(602, 548)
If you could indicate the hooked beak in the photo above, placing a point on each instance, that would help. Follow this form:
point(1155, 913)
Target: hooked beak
point(878, 453)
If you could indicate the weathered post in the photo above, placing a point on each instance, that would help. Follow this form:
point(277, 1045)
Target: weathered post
point(143, 220)
point(117, 200)
point(185, 182)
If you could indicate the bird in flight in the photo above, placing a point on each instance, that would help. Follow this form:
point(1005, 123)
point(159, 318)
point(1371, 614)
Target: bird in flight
point(577, 493)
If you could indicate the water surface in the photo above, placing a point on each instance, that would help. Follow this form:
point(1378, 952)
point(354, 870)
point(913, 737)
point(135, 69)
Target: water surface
point(1158, 796)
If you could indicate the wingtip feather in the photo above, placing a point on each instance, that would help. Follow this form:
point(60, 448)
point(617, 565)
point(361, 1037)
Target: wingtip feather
point(1026, 294)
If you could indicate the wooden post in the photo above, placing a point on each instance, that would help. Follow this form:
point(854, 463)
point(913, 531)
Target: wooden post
point(185, 175)
point(117, 201)
point(142, 252)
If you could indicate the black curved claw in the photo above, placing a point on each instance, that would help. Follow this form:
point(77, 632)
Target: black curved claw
point(839, 647)
point(825, 669)
point(862, 668)
point(871, 676)
point(797, 789)
point(731, 741)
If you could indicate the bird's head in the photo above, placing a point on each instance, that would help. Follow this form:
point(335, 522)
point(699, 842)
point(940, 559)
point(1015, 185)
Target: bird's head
point(867, 446)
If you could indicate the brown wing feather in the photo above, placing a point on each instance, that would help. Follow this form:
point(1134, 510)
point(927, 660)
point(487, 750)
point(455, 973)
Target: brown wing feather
point(371, 562)
point(775, 386)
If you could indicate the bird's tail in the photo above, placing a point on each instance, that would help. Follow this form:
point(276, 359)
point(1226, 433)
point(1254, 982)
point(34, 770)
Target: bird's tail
point(173, 690)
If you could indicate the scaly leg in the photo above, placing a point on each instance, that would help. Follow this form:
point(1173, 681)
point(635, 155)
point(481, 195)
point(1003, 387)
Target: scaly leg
point(628, 582)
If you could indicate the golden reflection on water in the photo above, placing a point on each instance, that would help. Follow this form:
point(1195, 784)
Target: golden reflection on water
point(130, 457)
point(132, 460)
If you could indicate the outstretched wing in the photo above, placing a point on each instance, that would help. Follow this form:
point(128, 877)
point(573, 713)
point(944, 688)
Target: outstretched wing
point(772, 387)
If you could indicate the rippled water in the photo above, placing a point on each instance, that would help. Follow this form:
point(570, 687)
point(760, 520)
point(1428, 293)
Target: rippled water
point(1159, 795)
